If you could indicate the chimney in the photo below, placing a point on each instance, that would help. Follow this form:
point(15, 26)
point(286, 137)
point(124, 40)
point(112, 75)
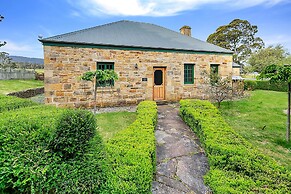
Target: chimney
point(186, 30)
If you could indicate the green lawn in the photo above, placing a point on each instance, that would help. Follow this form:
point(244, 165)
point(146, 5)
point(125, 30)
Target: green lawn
point(260, 119)
point(110, 123)
point(8, 86)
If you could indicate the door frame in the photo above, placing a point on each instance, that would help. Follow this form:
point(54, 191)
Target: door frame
point(163, 68)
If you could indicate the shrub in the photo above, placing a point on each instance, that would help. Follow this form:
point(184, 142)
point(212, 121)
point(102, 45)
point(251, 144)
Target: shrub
point(73, 131)
point(24, 136)
point(131, 158)
point(11, 103)
point(28, 166)
point(265, 85)
point(235, 165)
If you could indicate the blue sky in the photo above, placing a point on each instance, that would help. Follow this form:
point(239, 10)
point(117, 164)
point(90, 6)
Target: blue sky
point(25, 20)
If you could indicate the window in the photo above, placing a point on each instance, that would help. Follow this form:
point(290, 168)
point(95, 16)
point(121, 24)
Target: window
point(188, 73)
point(214, 68)
point(214, 76)
point(158, 77)
point(105, 66)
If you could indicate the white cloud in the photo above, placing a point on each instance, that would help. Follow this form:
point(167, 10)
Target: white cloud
point(159, 8)
point(22, 49)
point(282, 39)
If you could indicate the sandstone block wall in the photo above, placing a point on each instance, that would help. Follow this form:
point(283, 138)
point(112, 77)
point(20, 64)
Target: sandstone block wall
point(236, 71)
point(64, 66)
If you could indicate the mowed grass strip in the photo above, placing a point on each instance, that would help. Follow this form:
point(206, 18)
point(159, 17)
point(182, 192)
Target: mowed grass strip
point(261, 120)
point(8, 86)
point(110, 123)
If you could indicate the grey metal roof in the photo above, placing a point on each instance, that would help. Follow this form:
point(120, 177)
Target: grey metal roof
point(235, 65)
point(237, 77)
point(135, 34)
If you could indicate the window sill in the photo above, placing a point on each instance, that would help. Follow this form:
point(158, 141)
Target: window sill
point(106, 90)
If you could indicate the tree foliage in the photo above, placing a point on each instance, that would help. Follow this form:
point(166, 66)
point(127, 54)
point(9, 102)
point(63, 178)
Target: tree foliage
point(238, 36)
point(218, 88)
point(278, 73)
point(2, 44)
point(100, 75)
point(5, 61)
point(276, 55)
point(100, 78)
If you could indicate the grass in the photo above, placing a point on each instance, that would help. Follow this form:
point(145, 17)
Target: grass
point(110, 123)
point(8, 86)
point(260, 119)
point(39, 70)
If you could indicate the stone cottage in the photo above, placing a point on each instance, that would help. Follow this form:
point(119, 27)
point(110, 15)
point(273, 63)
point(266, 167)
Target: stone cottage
point(235, 69)
point(152, 62)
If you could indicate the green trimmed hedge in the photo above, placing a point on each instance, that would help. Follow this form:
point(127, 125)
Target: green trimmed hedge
point(73, 131)
point(131, 158)
point(235, 165)
point(11, 103)
point(265, 85)
point(28, 165)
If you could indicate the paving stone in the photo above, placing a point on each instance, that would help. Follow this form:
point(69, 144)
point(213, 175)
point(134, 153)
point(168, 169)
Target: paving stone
point(191, 170)
point(160, 188)
point(181, 162)
point(167, 168)
point(173, 183)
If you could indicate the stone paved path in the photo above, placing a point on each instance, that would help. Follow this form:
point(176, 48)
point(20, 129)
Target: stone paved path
point(181, 162)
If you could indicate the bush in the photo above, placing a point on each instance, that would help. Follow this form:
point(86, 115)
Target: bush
point(24, 136)
point(131, 154)
point(11, 103)
point(235, 165)
point(265, 85)
point(27, 165)
point(73, 131)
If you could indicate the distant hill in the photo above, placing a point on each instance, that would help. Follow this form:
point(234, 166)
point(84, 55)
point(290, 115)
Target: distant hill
point(21, 59)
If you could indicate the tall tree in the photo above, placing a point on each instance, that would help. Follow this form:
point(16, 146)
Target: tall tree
point(278, 73)
point(276, 55)
point(238, 36)
point(2, 44)
point(5, 61)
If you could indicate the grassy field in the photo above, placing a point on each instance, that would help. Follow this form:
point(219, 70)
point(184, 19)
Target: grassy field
point(260, 119)
point(8, 86)
point(110, 123)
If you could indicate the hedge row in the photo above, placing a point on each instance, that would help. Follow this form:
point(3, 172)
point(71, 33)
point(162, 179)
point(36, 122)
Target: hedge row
point(235, 165)
point(131, 158)
point(265, 85)
point(30, 162)
point(11, 103)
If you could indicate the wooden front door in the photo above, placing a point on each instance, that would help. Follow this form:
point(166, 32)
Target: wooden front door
point(159, 83)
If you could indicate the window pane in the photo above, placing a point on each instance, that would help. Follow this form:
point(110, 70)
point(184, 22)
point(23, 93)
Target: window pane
point(158, 77)
point(214, 68)
point(104, 66)
point(188, 74)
